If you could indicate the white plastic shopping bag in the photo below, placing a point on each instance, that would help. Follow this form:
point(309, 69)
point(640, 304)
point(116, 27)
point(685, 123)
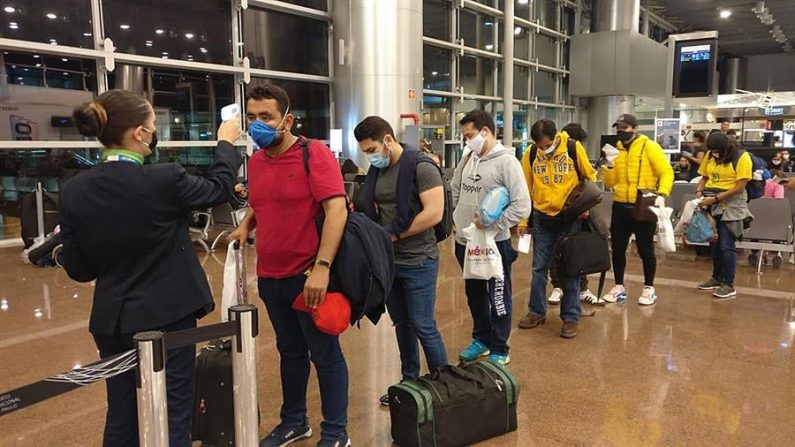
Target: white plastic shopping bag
point(229, 293)
point(665, 230)
point(482, 259)
point(687, 214)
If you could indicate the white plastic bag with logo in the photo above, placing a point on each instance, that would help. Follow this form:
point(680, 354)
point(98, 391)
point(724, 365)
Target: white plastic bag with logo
point(235, 290)
point(665, 230)
point(482, 259)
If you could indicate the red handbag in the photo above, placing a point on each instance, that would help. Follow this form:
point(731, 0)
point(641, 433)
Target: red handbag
point(332, 317)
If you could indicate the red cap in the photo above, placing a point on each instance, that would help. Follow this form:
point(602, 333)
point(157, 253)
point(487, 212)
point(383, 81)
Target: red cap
point(332, 317)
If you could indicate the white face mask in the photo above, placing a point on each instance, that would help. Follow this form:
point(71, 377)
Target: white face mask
point(475, 144)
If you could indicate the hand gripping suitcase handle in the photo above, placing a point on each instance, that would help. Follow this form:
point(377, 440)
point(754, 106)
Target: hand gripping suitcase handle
point(240, 273)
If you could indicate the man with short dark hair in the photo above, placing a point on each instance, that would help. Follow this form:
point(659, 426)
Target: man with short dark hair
point(487, 166)
point(404, 193)
point(292, 259)
point(551, 171)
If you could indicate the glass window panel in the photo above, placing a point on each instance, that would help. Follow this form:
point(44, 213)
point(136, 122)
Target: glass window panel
point(314, 4)
point(545, 50)
point(59, 22)
point(522, 9)
point(476, 75)
point(544, 87)
point(521, 129)
point(436, 113)
point(187, 103)
point(436, 68)
point(468, 105)
point(550, 113)
point(452, 154)
point(521, 78)
point(565, 57)
point(174, 29)
point(436, 19)
point(270, 35)
point(42, 91)
point(547, 13)
point(309, 104)
point(521, 43)
point(569, 19)
point(477, 30)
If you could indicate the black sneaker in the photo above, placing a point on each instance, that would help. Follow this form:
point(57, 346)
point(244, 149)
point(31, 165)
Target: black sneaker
point(339, 442)
point(283, 436)
point(724, 293)
point(384, 400)
point(711, 284)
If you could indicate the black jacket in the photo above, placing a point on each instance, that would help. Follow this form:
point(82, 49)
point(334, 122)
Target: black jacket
point(126, 226)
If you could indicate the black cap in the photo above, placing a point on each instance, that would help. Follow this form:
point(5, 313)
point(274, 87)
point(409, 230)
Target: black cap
point(628, 119)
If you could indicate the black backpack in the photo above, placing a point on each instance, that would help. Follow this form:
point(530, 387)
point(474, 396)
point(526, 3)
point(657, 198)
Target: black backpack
point(364, 268)
point(582, 253)
point(754, 188)
point(407, 176)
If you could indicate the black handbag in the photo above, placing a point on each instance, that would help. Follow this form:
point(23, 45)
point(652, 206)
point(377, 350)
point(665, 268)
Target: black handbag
point(644, 198)
point(582, 252)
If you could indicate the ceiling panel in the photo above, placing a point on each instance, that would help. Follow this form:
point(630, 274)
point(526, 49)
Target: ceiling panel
point(742, 34)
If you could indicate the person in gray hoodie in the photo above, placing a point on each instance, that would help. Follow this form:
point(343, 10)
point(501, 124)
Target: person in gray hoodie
point(488, 165)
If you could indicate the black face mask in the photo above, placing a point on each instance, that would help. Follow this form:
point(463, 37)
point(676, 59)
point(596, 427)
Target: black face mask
point(624, 137)
point(153, 143)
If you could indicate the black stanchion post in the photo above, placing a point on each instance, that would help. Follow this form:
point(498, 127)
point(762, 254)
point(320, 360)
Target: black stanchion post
point(244, 369)
point(151, 383)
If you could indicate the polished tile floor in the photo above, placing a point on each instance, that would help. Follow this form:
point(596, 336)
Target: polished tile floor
point(687, 371)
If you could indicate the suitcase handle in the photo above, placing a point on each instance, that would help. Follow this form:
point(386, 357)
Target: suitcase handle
point(462, 374)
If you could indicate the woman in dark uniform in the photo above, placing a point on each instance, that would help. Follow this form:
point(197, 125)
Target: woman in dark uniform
point(124, 224)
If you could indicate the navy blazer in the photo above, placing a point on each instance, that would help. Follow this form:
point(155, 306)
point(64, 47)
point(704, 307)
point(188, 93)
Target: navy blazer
point(126, 226)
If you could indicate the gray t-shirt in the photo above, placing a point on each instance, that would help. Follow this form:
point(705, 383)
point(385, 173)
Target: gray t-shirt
point(416, 249)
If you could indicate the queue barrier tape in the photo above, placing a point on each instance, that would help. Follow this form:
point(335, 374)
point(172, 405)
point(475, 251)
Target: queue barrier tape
point(25, 396)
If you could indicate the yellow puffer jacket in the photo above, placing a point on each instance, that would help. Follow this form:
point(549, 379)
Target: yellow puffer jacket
point(655, 172)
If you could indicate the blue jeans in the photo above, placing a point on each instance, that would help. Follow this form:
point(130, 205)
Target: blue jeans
point(547, 231)
point(412, 308)
point(298, 341)
point(724, 254)
point(491, 302)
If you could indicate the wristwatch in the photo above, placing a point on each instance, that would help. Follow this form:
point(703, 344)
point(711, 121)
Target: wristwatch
point(324, 263)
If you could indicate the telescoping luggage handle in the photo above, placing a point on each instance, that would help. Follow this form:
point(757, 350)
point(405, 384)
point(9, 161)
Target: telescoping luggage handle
point(240, 273)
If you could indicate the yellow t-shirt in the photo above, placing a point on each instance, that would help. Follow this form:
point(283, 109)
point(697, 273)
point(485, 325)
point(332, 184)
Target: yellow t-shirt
point(552, 177)
point(724, 176)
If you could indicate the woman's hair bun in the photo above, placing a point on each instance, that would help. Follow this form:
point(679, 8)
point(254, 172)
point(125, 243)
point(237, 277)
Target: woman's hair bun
point(90, 119)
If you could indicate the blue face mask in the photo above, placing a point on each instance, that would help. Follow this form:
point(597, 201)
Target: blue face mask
point(378, 160)
point(263, 134)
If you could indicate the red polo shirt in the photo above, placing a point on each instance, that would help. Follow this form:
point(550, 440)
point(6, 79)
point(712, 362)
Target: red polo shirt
point(286, 204)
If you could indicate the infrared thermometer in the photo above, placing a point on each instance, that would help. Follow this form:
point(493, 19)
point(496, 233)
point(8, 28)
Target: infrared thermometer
point(229, 112)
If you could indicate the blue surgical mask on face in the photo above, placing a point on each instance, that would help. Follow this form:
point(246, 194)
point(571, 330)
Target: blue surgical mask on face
point(263, 134)
point(379, 160)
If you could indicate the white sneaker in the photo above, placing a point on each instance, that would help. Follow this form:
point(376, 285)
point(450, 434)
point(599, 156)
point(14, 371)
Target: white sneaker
point(589, 297)
point(617, 293)
point(648, 297)
point(556, 296)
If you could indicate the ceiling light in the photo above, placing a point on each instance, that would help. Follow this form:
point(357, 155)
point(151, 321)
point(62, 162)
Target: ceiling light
point(36, 56)
point(165, 53)
point(9, 9)
point(189, 35)
point(164, 57)
point(489, 47)
point(13, 25)
point(63, 59)
point(725, 13)
point(86, 34)
point(51, 16)
point(65, 74)
point(159, 31)
point(149, 43)
point(203, 50)
point(434, 73)
point(523, 2)
point(124, 26)
point(38, 65)
point(53, 42)
point(517, 30)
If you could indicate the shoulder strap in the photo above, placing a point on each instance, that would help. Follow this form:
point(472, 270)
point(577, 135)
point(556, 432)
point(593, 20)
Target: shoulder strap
point(571, 148)
point(640, 161)
point(305, 154)
point(533, 155)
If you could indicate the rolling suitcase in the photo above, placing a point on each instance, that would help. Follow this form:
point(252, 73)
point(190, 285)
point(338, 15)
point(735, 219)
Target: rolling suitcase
point(454, 406)
point(214, 407)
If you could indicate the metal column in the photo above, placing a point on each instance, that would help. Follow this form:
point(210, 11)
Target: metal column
point(244, 369)
point(151, 383)
point(507, 71)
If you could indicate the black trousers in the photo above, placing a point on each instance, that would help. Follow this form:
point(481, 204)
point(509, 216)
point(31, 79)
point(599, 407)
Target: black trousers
point(121, 422)
point(622, 227)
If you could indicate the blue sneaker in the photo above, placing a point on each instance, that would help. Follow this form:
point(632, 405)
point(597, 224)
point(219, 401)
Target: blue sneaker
point(282, 436)
point(474, 351)
point(339, 442)
point(500, 360)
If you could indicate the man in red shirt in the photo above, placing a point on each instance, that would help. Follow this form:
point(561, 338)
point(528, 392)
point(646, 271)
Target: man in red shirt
point(292, 258)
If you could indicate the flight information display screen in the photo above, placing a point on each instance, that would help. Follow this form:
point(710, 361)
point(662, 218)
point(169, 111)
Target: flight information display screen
point(694, 68)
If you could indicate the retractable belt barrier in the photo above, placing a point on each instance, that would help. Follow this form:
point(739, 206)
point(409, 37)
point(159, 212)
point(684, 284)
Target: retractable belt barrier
point(149, 358)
